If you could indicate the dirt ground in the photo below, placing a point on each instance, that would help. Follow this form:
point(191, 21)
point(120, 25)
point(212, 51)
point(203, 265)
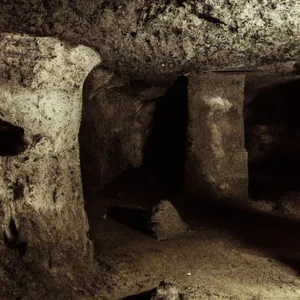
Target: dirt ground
point(229, 253)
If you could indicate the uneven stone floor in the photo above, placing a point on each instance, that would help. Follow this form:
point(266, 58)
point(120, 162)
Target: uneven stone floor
point(229, 253)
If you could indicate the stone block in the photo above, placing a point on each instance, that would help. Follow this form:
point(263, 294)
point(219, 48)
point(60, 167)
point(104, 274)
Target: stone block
point(216, 159)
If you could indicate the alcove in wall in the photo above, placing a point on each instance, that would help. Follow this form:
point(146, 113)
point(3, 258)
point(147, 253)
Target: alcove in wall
point(272, 131)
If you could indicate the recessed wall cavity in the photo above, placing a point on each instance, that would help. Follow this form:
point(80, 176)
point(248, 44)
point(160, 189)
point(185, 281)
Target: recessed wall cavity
point(11, 139)
point(273, 141)
point(132, 126)
point(216, 160)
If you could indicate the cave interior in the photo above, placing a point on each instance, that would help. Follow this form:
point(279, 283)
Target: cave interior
point(261, 226)
point(149, 150)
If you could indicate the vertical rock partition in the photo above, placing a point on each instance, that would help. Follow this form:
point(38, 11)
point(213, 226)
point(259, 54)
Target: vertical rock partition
point(41, 202)
point(216, 159)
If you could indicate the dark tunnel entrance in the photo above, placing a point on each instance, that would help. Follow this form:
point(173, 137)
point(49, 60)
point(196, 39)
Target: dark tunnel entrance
point(165, 148)
point(273, 142)
point(122, 147)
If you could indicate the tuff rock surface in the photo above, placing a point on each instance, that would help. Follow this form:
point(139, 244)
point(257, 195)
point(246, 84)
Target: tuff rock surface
point(41, 203)
point(117, 119)
point(216, 160)
point(148, 39)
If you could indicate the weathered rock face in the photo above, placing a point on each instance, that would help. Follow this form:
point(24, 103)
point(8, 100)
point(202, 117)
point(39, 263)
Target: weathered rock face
point(148, 39)
point(41, 202)
point(116, 123)
point(216, 159)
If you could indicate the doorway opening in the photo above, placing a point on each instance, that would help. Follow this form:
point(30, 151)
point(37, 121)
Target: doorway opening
point(144, 166)
point(165, 148)
point(272, 133)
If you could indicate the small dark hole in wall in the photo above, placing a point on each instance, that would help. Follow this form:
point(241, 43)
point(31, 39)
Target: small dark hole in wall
point(11, 139)
point(13, 229)
point(54, 195)
point(36, 139)
point(181, 2)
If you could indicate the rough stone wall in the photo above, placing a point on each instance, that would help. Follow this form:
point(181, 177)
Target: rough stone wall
point(117, 120)
point(216, 159)
point(41, 202)
point(151, 39)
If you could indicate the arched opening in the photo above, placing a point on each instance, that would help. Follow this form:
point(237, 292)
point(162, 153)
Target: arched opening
point(132, 148)
point(272, 132)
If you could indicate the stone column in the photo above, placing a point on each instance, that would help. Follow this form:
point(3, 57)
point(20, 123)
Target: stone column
point(41, 201)
point(216, 159)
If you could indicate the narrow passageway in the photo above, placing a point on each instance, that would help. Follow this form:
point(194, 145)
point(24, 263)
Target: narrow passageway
point(11, 139)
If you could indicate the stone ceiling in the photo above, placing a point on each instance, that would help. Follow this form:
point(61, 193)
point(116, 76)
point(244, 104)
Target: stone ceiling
point(148, 39)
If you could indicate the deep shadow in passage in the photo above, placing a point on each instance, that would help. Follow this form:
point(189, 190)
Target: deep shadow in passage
point(11, 139)
point(165, 148)
point(273, 141)
point(142, 296)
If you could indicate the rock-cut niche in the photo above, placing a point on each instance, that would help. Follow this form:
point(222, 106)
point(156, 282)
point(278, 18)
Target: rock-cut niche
point(11, 139)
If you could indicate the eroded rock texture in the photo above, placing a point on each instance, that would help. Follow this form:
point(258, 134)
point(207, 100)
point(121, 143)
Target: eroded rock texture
point(117, 120)
point(216, 159)
point(148, 39)
point(272, 140)
point(41, 202)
